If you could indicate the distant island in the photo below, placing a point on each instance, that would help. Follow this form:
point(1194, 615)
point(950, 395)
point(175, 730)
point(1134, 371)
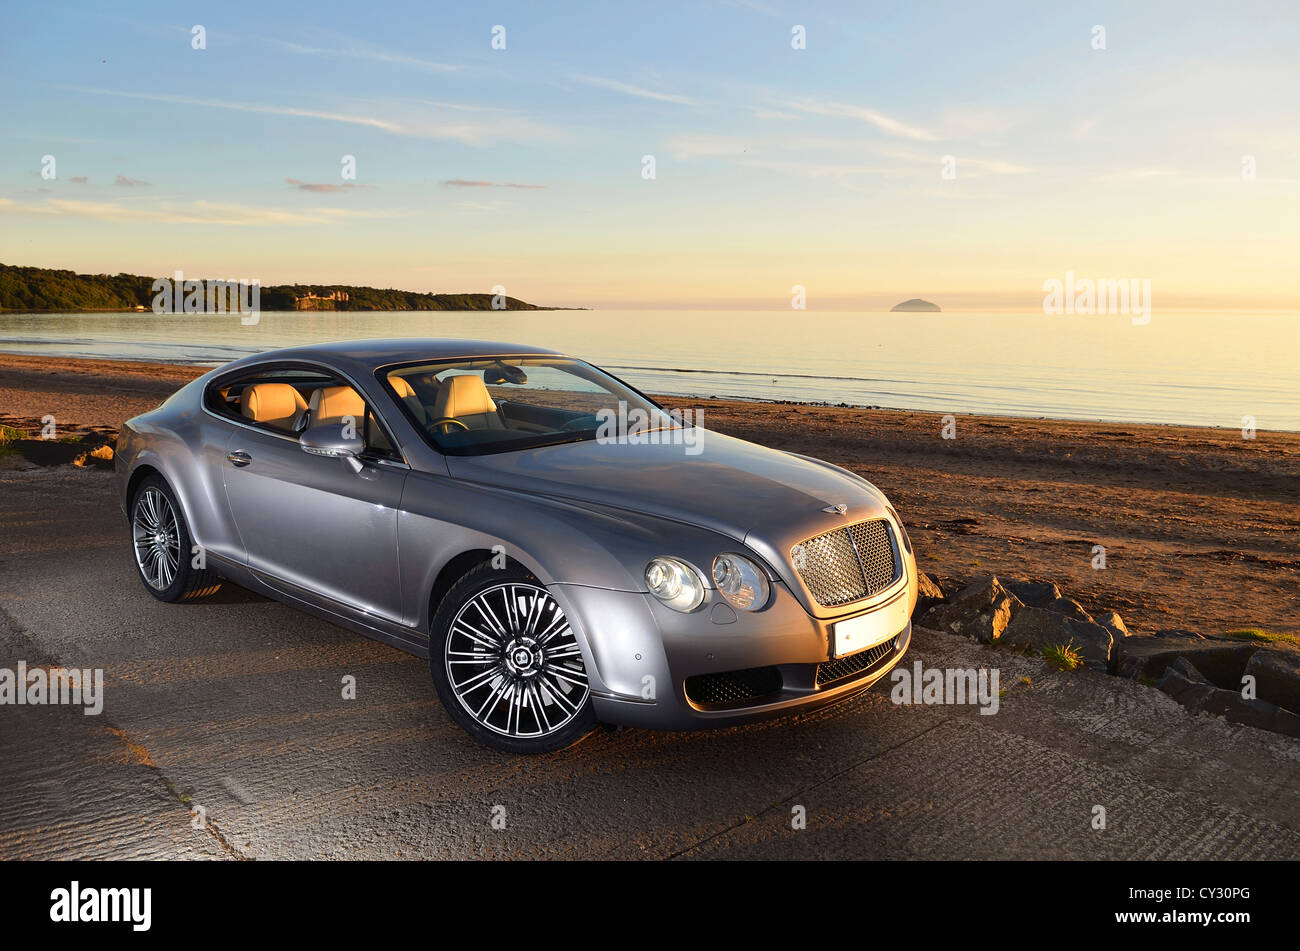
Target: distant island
point(916, 304)
point(37, 289)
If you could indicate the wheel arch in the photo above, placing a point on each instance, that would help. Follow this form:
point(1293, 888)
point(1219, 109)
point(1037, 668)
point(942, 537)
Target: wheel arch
point(151, 462)
point(138, 475)
point(458, 566)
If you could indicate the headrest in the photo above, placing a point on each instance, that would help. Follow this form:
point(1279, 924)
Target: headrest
point(335, 402)
point(401, 387)
point(263, 402)
point(462, 395)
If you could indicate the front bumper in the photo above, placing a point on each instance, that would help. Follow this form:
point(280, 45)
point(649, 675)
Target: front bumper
point(649, 666)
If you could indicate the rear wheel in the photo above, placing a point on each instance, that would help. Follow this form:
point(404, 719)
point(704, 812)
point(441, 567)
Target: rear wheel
point(507, 665)
point(164, 556)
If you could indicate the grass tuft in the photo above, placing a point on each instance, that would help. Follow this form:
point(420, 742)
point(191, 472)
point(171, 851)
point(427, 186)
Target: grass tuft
point(1063, 656)
point(1260, 635)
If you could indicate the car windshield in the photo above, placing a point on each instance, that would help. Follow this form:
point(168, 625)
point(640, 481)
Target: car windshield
point(499, 404)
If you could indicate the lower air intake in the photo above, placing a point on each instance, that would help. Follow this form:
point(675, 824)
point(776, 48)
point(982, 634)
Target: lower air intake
point(733, 686)
point(834, 671)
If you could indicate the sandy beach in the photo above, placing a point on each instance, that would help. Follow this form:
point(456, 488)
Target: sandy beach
point(1198, 525)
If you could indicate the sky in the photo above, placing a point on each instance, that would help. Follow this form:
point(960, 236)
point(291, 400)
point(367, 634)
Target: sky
point(964, 153)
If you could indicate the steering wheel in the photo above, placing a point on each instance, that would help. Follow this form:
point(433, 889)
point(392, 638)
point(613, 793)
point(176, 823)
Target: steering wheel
point(448, 421)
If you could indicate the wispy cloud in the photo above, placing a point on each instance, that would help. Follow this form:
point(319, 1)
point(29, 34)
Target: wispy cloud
point(374, 54)
point(975, 122)
point(422, 127)
point(264, 108)
point(631, 90)
point(124, 182)
point(887, 124)
point(468, 183)
point(79, 179)
point(194, 212)
point(1181, 177)
point(829, 157)
point(1140, 174)
point(686, 147)
point(966, 164)
point(492, 206)
point(459, 106)
point(993, 166)
point(752, 5)
point(816, 169)
point(321, 186)
point(46, 137)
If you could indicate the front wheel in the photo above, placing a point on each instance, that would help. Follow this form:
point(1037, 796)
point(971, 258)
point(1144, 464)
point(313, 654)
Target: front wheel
point(506, 663)
point(161, 539)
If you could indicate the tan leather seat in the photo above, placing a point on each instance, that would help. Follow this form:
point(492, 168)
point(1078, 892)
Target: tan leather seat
point(406, 393)
point(276, 404)
point(464, 397)
point(330, 404)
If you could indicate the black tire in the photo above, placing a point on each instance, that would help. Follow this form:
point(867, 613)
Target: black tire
point(181, 582)
point(555, 664)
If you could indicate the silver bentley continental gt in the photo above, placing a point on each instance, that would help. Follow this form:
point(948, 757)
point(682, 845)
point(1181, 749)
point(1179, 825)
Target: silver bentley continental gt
point(562, 549)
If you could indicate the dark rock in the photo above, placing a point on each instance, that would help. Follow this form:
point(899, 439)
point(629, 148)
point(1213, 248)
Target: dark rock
point(47, 452)
point(95, 439)
point(1179, 632)
point(1222, 662)
point(1113, 623)
point(1277, 677)
point(928, 594)
point(981, 610)
point(1184, 668)
point(1070, 608)
point(100, 457)
point(1040, 628)
point(1200, 697)
point(1189, 690)
point(1034, 593)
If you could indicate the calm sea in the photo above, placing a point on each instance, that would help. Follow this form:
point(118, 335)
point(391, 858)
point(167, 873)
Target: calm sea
point(1192, 368)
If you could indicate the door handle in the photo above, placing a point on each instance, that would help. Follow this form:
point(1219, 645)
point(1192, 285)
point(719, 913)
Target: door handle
point(239, 458)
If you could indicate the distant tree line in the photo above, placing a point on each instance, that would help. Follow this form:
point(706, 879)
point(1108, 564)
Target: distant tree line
point(46, 289)
point(38, 288)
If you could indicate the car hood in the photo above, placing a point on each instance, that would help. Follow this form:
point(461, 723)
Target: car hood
point(736, 488)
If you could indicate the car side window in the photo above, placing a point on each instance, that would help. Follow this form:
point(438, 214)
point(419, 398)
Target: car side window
point(272, 399)
point(378, 442)
point(288, 400)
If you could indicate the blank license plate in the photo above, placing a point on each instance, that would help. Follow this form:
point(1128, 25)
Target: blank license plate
point(867, 630)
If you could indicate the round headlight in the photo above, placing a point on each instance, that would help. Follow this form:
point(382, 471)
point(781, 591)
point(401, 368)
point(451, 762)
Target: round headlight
point(675, 583)
point(740, 581)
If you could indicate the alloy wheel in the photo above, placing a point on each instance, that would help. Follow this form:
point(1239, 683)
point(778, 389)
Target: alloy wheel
point(157, 539)
point(513, 662)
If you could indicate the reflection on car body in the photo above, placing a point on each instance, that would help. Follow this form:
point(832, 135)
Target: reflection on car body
point(472, 503)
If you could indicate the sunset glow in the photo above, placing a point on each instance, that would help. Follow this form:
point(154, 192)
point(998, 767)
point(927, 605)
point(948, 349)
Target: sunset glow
point(1172, 155)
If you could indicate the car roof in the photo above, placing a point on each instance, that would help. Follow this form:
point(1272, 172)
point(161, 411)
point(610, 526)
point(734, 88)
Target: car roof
point(371, 354)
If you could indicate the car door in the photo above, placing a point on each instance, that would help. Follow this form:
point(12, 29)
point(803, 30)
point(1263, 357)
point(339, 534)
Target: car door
point(311, 525)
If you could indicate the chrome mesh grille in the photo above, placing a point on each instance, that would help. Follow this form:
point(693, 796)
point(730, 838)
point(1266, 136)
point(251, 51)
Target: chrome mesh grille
point(847, 564)
point(854, 664)
point(875, 553)
point(733, 686)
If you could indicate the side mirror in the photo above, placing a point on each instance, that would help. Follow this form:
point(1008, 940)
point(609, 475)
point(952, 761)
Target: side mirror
point(334, 439)
point(504, 373)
